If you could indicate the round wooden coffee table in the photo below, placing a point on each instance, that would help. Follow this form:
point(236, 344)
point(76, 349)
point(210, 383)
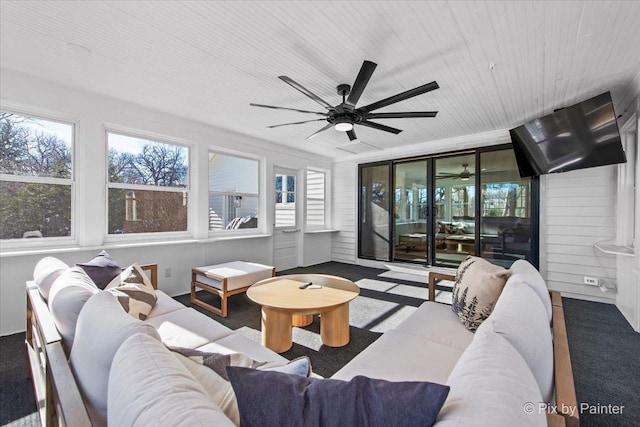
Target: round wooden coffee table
point(285, 305)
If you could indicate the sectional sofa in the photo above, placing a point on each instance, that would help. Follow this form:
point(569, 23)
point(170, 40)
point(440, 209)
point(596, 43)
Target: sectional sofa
point(118, 369)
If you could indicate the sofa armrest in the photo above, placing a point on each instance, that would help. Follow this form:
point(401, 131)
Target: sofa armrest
point(565, 390)
point(69, 407)
point(435, 278)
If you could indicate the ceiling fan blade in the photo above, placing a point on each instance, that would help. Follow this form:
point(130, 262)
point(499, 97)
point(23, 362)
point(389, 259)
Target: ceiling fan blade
point(399, 97)
point(306, 91)
point(295, 123)
point(321, 130)
point(352, 135)
point(362, 79)
point(379, 126)
point(289, 109)
point(400, 115)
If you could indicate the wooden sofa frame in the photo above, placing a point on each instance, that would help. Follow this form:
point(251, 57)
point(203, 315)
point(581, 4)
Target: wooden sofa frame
point(58, 398)
point(565, 412)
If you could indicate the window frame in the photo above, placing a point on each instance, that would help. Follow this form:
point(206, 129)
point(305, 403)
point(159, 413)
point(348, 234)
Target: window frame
point(259, 195)
point(162, 139)
point(22, 243)
point(325, 224)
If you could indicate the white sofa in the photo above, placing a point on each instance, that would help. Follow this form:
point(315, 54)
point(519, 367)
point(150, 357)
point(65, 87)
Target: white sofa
point(493, 373)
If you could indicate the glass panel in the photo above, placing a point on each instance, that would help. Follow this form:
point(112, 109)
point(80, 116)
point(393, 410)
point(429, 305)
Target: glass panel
point(147, 211)
point(231, 174)
point(35, 147)
point(285, 201)
point(455, 201)
point(374, 212)
point(34, 210)
point(506, 209)
point(140, 161)
point(229, 212)
point(410, 211)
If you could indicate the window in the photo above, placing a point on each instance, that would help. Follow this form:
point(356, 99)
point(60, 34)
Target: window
point(36, 177)
point(316, 182)
point(233, 192)
point(285, 199)
point(148, 189)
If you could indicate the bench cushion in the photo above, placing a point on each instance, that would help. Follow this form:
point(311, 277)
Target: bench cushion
point(239, 274)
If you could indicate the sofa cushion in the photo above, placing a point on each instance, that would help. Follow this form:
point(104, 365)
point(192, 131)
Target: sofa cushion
point(134, 292)
point(312, 401)
point(476, 289)
point(164, 304)
point(217, 384)
point(532, 277)
point(188, 328)
point(492, 386)
point(68, 294)
point(102, 269)
point(436, 322)
point(238, 343)
point(149, 387)
point(520, 317)
point(102, 327)
point(46, 272)
point(400, 356)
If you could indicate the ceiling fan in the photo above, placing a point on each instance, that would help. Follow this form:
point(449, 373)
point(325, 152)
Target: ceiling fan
point(344, 116)
point(464, 175)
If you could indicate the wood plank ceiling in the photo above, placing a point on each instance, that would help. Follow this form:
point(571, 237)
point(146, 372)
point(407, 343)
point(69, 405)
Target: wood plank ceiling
point(498, 64)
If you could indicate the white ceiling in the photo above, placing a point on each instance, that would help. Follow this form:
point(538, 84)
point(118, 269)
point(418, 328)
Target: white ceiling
point(208, 60)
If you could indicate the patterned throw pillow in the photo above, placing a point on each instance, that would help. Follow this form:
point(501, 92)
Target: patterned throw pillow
point(134, 292)
point(476, 289)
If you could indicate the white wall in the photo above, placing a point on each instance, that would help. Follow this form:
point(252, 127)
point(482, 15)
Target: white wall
point(92, 113)
point(577, 210)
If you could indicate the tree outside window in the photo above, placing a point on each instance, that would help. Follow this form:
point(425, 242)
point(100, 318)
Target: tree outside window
point(35, 177)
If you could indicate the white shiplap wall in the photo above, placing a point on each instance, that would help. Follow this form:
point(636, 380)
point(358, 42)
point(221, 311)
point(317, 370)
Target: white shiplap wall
point(345, 211)
point(578, 210)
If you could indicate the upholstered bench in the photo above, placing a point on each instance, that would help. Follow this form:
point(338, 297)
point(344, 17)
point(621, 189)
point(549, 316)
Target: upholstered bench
point(225, 280)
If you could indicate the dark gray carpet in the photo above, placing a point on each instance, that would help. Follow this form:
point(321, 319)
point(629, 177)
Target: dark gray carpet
point(604, 348)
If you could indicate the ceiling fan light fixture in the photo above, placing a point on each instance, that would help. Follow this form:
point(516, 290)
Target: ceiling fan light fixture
point(343, 124)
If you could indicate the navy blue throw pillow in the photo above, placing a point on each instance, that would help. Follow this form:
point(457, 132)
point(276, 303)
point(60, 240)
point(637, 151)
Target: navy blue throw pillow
point(267, 398)
point(102, 269)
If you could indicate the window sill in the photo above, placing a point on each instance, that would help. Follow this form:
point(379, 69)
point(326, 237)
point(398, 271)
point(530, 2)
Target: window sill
point(323, 230)
point(52, 250)
point(615, 250)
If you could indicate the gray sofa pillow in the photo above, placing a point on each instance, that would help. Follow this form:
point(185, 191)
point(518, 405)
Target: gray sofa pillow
point(46, 271)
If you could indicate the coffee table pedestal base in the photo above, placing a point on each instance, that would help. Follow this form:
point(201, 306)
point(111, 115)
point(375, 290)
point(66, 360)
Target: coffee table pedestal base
point(276, 330)
point(334, 326)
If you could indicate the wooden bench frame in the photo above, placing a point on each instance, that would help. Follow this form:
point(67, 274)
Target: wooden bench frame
point(222, 292)
point(564, 387)
point(57, 395)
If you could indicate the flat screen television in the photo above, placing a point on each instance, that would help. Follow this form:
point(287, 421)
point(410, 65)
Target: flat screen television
point(581, 136)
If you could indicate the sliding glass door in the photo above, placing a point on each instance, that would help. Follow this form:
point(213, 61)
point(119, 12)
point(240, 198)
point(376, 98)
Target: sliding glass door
point(410, 211)
point(438, 210)
point(455, 219)
point(374, 212)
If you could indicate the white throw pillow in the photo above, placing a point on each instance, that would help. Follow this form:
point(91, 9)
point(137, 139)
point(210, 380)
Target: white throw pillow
point(149, 387)
point(67, 296)
point(492, 386)
point(102, 327)
point(532, 277)
point(520, 317)
point(46, 271)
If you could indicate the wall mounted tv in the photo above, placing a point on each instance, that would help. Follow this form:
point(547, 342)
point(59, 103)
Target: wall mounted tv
point(581, 136)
